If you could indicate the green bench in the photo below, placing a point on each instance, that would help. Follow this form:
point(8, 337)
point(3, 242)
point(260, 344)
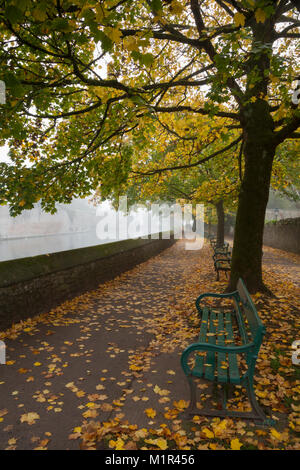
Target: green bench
point(222, 262)
point(221, 249)
point(222, 259)
point(226, 336)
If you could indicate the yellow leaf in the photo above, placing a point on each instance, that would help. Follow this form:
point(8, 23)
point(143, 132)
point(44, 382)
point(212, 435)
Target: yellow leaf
point(29, 418)
point(235, 444)
point(181, 404)
point(119, 444)
point(114, 34)
point(133, 367)
point(176, 7)
point(90, 414)
point(239, 19)
point(112, 444)
point(220, 427)
point(150, 412)
point(209, 434)
point(260, 16)
point(161, 392)
point(131, 44)
point(141, 433)
point(162, 443)
point(276, 434)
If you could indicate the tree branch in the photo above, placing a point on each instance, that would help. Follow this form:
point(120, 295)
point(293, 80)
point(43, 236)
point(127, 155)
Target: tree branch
point(191, 165)
point(287, 131)
point(171, 109)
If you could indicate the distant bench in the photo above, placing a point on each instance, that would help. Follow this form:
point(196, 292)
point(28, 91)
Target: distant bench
point(221, 257)
point(223, 338)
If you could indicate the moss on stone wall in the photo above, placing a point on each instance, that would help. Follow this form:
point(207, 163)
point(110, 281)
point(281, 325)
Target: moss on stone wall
point(25, 269)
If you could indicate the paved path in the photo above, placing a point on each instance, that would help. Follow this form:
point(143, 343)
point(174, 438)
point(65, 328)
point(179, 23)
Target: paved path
point(111, 352)
point(87, 356)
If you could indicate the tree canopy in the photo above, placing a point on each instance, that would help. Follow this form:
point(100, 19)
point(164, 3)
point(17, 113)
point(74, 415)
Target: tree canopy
point(91, 85)
point(86, 79)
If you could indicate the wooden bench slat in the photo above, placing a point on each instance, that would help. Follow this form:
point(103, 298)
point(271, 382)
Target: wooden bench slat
point(234, 375)
point(199, 362)
point(204, 325)
point(222, 370)
point(249, 310)
point(241, 323)
point(211, 356)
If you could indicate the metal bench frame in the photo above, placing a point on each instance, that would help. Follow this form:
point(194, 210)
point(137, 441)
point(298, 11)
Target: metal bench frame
point(222, 259)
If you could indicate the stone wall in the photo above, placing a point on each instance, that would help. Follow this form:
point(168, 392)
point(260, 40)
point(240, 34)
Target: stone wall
point(284, 234)
point(31, 286)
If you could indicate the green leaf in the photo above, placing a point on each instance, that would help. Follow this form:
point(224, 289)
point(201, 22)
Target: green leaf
point(156, 5)
point(106, 42)
point(136, 99)
point(147, 59)
point(13, 14)
point(60, 24)
point(144, 59)
point(39, 14)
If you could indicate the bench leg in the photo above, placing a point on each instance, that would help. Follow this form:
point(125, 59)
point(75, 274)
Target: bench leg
point(193, 395)
point(258, 412)
point(225, 396)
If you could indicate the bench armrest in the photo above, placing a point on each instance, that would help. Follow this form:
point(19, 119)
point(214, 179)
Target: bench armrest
point(222, 260)
point(223, 253)
point(218, 296)
point(213, 348)
point(228, 260)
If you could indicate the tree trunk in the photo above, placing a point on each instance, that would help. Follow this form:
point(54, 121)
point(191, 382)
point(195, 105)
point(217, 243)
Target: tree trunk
point(194, 224)
point(259, 153)
point(259, 150)
point(221, 223)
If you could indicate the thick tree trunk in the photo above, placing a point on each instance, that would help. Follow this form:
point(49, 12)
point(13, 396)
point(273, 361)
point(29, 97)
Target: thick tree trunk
point(221, 223)
point(194, 224)
point(259, 150)
point(248, 239)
